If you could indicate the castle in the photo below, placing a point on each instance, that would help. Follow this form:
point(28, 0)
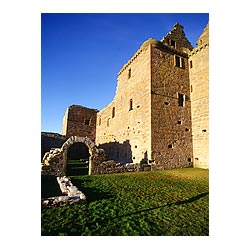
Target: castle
point(160, 113)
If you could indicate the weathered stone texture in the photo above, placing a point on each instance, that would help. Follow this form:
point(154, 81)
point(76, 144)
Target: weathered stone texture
point(79, 121)
point(199, 78)
point(159, 115)
point(55, 161)
point(71, 194)
point(51, 140)
point(171, 123)
point(124, 127)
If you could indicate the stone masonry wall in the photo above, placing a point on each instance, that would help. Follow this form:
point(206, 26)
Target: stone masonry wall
point(199, 78)
point(55, 161)
point(50, 140)
point(124, 127)
point(171, 121)
point(80, 121)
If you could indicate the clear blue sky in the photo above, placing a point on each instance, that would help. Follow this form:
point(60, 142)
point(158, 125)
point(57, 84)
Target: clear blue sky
point(82, 53)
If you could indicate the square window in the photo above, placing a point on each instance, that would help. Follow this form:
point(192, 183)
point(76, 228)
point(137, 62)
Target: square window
point(87, 122)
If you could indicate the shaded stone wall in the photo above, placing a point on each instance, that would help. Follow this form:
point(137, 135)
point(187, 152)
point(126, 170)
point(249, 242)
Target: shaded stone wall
point(199, 81)
point(124, 127)
point(79, 121)
point(50, 140)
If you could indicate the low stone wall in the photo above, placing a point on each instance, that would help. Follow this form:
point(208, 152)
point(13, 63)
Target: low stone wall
point(71, 194)
point(111, 167)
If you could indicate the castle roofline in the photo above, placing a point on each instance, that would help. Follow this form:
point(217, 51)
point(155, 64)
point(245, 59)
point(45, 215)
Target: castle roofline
point(144, 46)
point(80, 106)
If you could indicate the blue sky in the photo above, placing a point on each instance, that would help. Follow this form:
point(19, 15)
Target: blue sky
point(81, 55)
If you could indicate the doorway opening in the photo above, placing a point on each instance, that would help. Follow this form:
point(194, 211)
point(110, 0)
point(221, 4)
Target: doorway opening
point(77, 159)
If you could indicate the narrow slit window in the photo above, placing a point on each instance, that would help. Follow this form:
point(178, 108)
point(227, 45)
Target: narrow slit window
point(108, 122)
point(100, 121)
point(181, 100)
point(131, 104)
point(129, 73)
point(191, 64)
point(113, 112)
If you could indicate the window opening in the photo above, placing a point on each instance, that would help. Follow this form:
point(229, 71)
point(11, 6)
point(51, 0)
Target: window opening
point(170, 146)
point(108, 122)
point(129, 73)
point(173, 43)
point(87, 122)
point(177, 61)
point(191, 64)
point(181, 100)
point(131, 104)
point(113, 112)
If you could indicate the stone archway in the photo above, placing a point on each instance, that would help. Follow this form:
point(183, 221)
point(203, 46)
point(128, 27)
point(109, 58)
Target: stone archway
point(55, 161)
point(76, 139)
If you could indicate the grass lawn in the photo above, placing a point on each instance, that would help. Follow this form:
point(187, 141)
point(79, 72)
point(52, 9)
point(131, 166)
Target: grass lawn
point(170, 202)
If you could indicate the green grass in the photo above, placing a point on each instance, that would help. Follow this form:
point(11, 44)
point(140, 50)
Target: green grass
point(170, 202)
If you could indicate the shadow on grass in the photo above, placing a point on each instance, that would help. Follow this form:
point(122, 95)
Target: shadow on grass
point(90, 193)
point(49, 186)
point(177, 203)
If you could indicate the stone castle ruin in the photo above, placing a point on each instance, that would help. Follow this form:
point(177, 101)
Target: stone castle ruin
point(159, 115)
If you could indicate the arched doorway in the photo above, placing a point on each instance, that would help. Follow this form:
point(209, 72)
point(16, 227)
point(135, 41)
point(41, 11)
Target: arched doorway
point(77, 159)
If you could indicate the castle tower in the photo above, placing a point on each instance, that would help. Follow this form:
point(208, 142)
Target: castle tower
point(79, 121)
point(149, 118)
point(199, 78)
point(170, 100)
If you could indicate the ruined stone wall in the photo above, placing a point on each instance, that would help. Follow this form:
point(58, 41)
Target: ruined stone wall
point(171, 113)
point(199, 80)
point(124, 126)
point(50, 140)
point(80, 121)
point(55, 161)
